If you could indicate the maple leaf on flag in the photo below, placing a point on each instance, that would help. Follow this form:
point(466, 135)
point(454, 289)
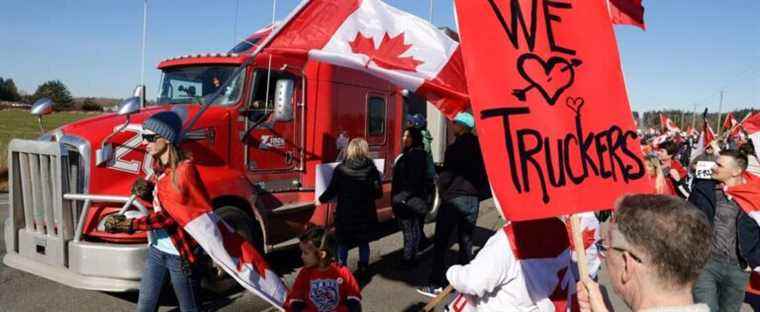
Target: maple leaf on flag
point(388, 55)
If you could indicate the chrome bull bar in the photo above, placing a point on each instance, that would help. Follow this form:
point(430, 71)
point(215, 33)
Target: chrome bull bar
point(89, 199)
point(43, 233)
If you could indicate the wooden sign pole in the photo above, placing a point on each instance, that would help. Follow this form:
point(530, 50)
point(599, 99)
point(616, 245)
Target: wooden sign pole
point(437, 300)
point(580, 250)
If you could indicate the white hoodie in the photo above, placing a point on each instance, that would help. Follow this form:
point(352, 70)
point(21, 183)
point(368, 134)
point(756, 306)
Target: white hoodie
point(536, 273)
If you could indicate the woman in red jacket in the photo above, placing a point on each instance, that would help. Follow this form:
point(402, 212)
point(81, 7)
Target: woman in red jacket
point(171, 250)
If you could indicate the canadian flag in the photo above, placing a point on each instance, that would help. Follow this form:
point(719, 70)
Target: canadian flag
point(693, 131)
point(627, 12)
point(230, 251)
point(751, 125)
point(376, 38)
point(730, 122)
point(667, 124)
point(705, 138)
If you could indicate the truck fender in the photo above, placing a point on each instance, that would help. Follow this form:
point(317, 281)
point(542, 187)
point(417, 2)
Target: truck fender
point(229, 187)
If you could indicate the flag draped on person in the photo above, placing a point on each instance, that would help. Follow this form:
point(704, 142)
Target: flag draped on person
point(747, 195)
point(371, 36)
point(627, 12)
point(234, 254)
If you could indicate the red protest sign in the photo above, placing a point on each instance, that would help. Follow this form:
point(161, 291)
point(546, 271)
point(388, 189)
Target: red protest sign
point(552, 114)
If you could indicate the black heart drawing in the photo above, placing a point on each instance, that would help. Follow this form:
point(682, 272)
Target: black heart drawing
point(575, 103)
point(555, 63)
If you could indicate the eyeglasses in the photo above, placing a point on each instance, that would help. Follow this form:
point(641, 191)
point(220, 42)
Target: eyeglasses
point(150, 137)
point(603, 251)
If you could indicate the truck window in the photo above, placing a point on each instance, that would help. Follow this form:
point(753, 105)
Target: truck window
point(375, 116)
point(262, 101)
point(183, 85)
point(245, 45)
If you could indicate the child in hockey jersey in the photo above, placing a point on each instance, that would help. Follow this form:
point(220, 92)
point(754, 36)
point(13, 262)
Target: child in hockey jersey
point(323, 285)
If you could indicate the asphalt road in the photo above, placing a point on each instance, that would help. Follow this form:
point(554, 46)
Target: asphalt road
point(388, 289)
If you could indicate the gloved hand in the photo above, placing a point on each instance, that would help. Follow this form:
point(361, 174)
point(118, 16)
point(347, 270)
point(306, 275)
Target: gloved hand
point(143, 189)
point(118, 223)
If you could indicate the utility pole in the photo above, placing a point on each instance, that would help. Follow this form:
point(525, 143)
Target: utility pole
point(694, 117)
point(430, 11)
point(720, 112)
point(235, 24)
point(144, 32)
point(142, 61)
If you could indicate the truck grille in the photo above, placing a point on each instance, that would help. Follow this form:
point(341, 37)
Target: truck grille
point(40, 173)
point(37, 183)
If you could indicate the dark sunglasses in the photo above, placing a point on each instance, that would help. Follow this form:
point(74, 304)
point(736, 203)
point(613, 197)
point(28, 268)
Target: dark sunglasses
point(603, 251)
point(150, 137)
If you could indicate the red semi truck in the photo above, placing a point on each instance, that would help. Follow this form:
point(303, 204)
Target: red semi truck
point(256, 146)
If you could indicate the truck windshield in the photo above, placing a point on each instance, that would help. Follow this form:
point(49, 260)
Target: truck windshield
point(184, 85)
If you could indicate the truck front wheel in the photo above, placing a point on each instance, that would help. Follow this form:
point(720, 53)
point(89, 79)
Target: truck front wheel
point(215, 278)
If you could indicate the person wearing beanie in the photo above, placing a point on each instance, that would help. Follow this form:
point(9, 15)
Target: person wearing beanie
point(175, 186)
point(462, 183)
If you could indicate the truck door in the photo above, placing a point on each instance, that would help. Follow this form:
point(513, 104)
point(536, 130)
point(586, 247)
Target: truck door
point(274, 144)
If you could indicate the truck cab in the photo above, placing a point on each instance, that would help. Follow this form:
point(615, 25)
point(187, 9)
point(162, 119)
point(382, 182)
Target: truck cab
point(256, 147)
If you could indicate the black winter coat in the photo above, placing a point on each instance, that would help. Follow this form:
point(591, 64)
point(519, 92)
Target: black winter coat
point(747, 230)
point(464, 173)
point(356, 183)
point(411, 179)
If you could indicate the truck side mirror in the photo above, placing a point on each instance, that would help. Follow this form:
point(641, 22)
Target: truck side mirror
point(126, 107)
point(283, 95)
point(129, 106)
point(42, 107)
point(140, 93)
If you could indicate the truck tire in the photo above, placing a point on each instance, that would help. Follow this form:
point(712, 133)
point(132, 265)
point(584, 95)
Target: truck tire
point(214, 278)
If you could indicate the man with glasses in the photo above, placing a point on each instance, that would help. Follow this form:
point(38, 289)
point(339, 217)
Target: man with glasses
point(653, 251)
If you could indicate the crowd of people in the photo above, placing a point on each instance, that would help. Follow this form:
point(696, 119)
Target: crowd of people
point(690, 245)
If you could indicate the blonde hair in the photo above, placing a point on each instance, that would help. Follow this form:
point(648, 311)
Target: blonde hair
point(357, 148)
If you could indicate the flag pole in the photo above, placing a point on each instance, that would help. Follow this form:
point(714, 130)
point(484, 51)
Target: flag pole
point(720, 113)
point(437, 300)
point(580, 249)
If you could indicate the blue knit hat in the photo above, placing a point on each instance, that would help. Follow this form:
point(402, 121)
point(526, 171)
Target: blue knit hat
point(168, 125)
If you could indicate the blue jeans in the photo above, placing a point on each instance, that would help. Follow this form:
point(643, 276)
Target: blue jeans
point(363, 254)
point(721, 286)
point(185, 279)
point(458, 213)
point(412, 234)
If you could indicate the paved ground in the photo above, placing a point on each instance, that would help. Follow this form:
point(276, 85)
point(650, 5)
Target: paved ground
point(389, 289)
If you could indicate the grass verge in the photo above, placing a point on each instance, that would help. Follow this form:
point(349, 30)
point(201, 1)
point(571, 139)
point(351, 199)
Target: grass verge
point(20, 124)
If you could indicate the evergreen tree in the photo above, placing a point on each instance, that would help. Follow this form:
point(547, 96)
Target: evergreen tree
point(57, 91)
point(8, 90)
